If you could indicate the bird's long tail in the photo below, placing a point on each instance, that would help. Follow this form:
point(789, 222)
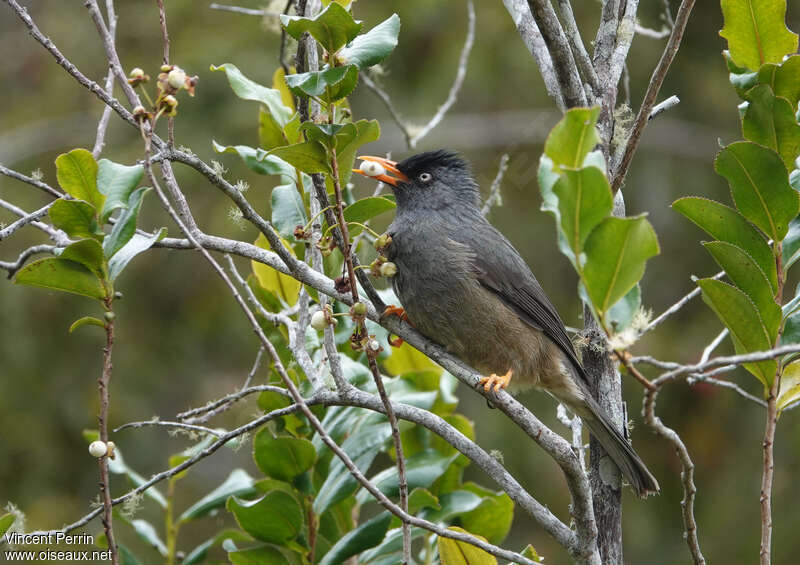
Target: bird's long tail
point(630, 464)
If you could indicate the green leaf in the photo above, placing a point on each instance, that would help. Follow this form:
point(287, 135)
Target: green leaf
point(270, 132)
point(136, 245)
point(116, 182)
point(282, 458)
point(288, 210)
point(125, 227)
point(738, 313)
point(741, 78)
point(790, 387)
point(616, 252)
point(784, 79)
point(770, 121)
point(573, 137)
point(333, 27)
point(367, 131)
point(86, 321)
point(246, 89)
point(726, 224)
point(760, 186)
point(366, 536)
point(76, 172)
point(374, 46)
point(119, 467)
point(258, 160)
point(308, 156)
point(88, 253)
point(263, 555)
point(407, 359)
point(621, 314)
point(791, 328)
point(367, 208)
point(6, 520)
point(791, 244)
point(331, 84)
point(452, 504)
point(56, 273)
point(420, 498)
point(492, 519)
point(238, 483)
point(76, 217)
point(421, 472)
point(756, 31)
point(199, 553)
point(362, 446)
point(283, 286)
point(743, 271)
point(530, 553)
point(148, 534)
point(126, 556)
point(276, 517)
point(584, 200)
point(452, 552)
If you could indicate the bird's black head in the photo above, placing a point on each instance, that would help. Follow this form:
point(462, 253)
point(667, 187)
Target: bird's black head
point(432, 180)
point(436, 179)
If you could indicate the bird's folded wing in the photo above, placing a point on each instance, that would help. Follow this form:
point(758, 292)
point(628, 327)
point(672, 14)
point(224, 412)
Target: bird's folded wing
point(506, 274)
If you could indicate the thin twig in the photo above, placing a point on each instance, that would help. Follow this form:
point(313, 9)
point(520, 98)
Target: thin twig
point(102, 420)
point(653, 33)
point(102, 125)
point(387, 101)
point(459, 80)
point(671, 49)
point(582, 59)
point(240, 10)
point(178, 425)
point(704, 378)
point(31, 181)
point(495, 198)
point(24, 221)
point(661, 107)
point(193, 415)
point(13, 267)
point(677, 306)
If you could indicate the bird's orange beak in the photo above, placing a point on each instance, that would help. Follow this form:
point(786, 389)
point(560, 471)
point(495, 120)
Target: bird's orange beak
point(390, 166)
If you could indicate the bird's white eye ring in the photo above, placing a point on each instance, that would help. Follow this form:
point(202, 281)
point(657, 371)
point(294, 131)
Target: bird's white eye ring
point(425, 177)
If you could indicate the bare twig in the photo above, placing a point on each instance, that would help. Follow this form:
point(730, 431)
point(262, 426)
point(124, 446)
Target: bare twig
point(704, 378)
point(495, 198)
point(102, 125)
point(31, 181)
point(24, 221)
point(102, 420)
point(653, 33)
point(198, 414)
point(174, 425)
point(241, 10)
point(661, 107)
point(387, 101)
point(677, 306)
point(13, 267)
point(459, 80)
point(650, 96)
point(162, 18)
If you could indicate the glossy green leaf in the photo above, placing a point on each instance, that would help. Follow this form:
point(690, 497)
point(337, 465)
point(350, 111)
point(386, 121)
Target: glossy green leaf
point(76, 172)
point(331, 84)
point(263, 555)
point(56, 273)
point(742, 79)
point(333, 27)
point(366, 536)
point(452, 552)
point(726, 224)
point(492, 519)
point(199, 553)
point(281, 457)
point(420, 498)
point(86, 321)
point(147, 533)
point(125, 227)
point(573, 137)
point(288, 210)
point(362, 446)
point(421, 472)
point(759, 185)
point(367, 208)
point(738, 313)
point(756, 31)
point(584, 200)
point(270, 132)
point(283, 286)
point(76, 217)
point(621, 314)
point(258, 160)
point(406, 358)
point(116, 182)
point(452, 504)
point(308, 156)
point(784, 79)
point(367, 131)
point(6, 520)
point(790, 386)
point(530, 553)
point(238, 483)
point(276, 517)
point(136, 245)
point(743, 271)
point(770, 121)
point(88, 253)
point(616, 253)
point(374, 46)
point(247, 89)
point(791, 244)
point(791, 327)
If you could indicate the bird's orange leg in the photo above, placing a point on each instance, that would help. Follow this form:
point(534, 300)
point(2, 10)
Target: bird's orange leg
point(496, 382)
point(399, 311)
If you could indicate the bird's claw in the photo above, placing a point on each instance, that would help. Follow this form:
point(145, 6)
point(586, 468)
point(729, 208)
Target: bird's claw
point(496, 382)
point(398, 311)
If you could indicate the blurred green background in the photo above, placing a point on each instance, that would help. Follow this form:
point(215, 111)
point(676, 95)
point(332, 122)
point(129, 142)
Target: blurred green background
point(182, 341)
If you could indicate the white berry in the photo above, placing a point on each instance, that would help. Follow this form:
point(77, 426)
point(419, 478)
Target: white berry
point(176, 78)
point(98, 449)
point(374, 345)
point(388, 269)
point(318, 320)
point(372, 169)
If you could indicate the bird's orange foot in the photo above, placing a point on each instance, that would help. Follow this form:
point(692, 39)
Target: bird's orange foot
point(398, 311)
point(496, 382)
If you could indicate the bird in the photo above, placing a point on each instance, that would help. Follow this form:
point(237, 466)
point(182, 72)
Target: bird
point(463, 285)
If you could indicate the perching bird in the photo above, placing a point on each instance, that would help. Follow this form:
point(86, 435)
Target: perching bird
point(463, 285)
